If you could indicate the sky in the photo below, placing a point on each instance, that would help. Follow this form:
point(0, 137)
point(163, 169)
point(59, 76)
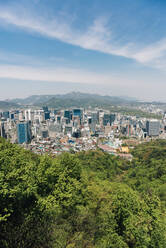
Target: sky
point(108, 47)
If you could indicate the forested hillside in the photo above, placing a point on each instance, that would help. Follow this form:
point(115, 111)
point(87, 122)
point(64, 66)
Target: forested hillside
point(85, 200)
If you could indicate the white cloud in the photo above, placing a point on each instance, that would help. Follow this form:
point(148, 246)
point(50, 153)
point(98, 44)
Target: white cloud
point(153, 55)
point(152, 52)
point(97, 36)
point(69, 75)
point(29, 60)
point(95, 82)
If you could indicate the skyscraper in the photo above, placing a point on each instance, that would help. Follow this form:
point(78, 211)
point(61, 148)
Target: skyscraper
point(112, 118)
point(106, 119)
point(23, 132)
point(78, 113)
point(5, 114)
point(29, 115)
point(95, 117)
point(46, 115)
point(68, 114)
point(153, 127)
point(2, 130)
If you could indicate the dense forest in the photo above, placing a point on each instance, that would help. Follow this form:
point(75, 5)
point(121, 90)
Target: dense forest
point(84, 200)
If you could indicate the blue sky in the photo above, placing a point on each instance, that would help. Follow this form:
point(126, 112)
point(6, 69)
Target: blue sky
point(115, 47)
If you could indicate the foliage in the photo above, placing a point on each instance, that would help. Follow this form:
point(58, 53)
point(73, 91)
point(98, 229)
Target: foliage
point(90, 199)
point(133, 111)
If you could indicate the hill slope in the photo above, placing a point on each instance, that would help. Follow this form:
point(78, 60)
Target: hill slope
point(7, 105)
point(73, 99)
point(89, 199)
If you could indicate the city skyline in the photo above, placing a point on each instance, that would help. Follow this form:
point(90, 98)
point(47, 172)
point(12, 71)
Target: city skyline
point(106, 47)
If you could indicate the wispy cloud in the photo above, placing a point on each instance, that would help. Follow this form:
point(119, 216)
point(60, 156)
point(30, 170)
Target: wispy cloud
point(97, 36)
point(58, 74)
point(97, 82)
point(153, 55)
point(29, 60)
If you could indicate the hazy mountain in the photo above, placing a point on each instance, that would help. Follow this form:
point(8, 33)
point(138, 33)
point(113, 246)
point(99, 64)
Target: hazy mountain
point(33, 100)
point(73, 99)
point(6, 105)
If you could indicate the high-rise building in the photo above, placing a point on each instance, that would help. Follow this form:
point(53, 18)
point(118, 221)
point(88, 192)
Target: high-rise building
point(55, 111)
point(59, 119)
point(153, 127)
point(5, 114)
point(2, 130)
point(29, 115)
point(78, 113)
point(68, 130)
point(89, 120)
point(106, 119)
point(23, 132)
point(12, 116)
point(46, 115)
point(68, 115)
point(112, 118)
point(77, 134)
point(95, 117)
point(21, 115)
point(44, 133)
point(129, 130)
point(45, 108)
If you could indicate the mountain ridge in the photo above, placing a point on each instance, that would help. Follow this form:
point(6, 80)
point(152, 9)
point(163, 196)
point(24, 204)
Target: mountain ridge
point(72, 99)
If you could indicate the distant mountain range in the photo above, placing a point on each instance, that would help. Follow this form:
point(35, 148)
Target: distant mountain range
point(6, 105)
point(73, 99)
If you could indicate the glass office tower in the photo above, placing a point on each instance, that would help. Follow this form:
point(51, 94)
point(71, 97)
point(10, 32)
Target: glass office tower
point(23, 132)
